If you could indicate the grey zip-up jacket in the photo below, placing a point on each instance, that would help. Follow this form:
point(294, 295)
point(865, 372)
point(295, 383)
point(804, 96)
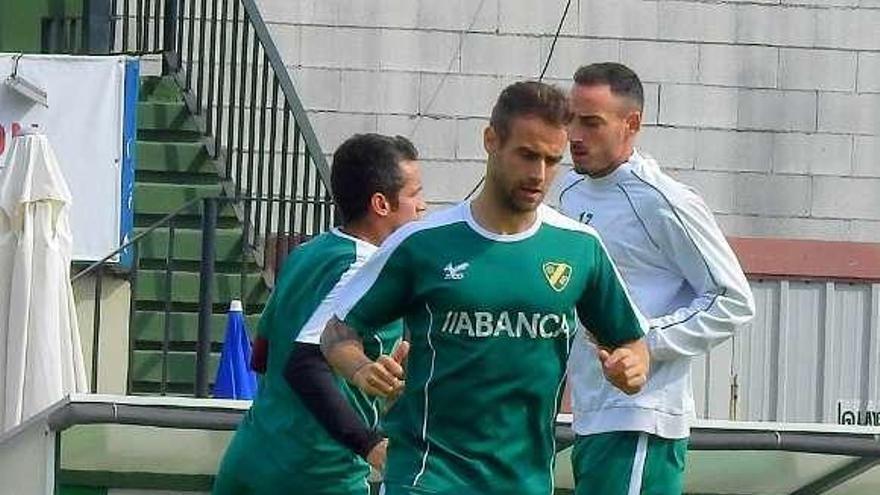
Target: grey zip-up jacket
point(683, 276)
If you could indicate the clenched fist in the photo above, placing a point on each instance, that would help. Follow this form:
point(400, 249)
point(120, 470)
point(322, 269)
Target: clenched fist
point(626, 367)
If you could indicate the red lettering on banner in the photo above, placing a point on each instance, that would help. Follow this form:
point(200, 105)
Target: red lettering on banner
point(15, 129)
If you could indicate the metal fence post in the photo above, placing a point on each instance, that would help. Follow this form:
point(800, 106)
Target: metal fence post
point(206, 295)
point(96, 327)
point(96, 28)
point(170, 57)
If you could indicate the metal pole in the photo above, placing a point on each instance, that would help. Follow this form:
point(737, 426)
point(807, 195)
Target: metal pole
point(170, 56)
point(96, 328)
point(206, 295)
point(132, 312)
point(169, 300)
point(98, 26)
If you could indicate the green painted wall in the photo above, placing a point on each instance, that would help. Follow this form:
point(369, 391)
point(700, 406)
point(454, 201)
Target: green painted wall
point(81, 490)
point(21, 20)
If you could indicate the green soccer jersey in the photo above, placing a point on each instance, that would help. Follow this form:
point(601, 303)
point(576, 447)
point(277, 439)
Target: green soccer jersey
point(279, 437)
point(491, 319)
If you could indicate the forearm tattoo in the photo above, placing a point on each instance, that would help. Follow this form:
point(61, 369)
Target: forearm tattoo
point(343, 348)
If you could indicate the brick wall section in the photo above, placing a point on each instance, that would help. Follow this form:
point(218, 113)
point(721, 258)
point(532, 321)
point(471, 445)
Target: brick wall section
point(771, 108)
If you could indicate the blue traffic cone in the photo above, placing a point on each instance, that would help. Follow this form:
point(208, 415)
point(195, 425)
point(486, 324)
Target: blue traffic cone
point(235, 379)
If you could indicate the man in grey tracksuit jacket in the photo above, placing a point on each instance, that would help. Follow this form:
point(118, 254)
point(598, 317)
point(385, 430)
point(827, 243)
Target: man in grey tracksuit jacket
point(680, 271)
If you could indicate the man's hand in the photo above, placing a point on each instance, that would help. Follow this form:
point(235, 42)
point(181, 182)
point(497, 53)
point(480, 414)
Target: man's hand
point(385, 376)
point(376, 457)
point(627, 366)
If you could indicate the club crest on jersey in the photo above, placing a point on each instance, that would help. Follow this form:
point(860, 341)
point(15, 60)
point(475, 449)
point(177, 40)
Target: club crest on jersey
point(557, 275)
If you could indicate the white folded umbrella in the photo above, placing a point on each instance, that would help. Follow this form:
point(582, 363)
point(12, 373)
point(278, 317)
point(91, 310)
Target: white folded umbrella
point(40, 354)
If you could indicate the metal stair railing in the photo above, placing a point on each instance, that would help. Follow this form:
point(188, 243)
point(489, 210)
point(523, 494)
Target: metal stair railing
point(234, 81)
point(99, 269)
point(236, 85)
point(206, 210)
point(222, 58)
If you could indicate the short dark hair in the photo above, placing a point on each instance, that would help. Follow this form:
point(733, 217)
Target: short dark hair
point(366, 164)
point(529, 98)
point(622, 80)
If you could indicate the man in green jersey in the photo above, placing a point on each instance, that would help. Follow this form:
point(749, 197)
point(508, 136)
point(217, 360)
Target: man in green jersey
point(491, 292)
point(308, 432)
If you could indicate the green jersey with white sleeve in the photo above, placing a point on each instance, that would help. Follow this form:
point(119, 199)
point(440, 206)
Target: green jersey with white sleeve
point(492, 318)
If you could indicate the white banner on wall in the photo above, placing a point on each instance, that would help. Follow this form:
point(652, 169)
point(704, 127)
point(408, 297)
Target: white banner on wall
point(84, 123)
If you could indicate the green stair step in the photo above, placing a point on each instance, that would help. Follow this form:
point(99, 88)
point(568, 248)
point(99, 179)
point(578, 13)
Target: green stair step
point(146, 366)
point(188, 245)
point(182, 327)
point(172, 156)
point(165, 116)
point(173, 169)
point(150, 286)
point(175, 178)
point(153, 198)
point(190, 219)
point(157, 88)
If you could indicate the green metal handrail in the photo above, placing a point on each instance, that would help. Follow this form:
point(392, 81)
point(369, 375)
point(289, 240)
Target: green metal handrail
point(275, 176)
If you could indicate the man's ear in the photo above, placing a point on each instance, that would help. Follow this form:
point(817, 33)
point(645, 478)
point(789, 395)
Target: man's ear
point(634, 121)
point(491, 140)
point(380, 204)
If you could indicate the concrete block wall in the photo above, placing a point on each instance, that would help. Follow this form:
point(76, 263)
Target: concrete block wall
point(113, 345)
point(771, 108)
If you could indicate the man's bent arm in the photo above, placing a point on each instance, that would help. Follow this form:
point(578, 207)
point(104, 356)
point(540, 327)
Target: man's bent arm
point(343, 349)
point(310, 377)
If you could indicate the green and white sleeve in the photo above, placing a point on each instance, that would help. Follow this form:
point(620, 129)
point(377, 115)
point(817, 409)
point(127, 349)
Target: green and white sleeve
point(380, 291)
